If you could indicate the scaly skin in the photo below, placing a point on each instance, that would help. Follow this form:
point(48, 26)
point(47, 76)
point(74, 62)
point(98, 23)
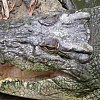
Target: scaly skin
point(59, 42)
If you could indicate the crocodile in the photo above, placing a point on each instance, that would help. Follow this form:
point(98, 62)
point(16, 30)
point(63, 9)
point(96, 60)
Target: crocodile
point(53, 56)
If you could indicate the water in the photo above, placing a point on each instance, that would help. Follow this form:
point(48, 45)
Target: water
point(80, 4)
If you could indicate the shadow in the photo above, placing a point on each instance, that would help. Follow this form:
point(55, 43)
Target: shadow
point(9, 97)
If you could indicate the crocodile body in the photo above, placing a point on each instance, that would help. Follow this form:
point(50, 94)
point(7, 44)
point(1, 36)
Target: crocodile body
point(61, 42)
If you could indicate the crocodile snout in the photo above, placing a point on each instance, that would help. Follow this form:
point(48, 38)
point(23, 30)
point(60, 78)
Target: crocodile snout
point(78, 51)
point(69, 39)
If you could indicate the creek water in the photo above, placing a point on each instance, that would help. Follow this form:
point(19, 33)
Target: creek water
point(80, 4)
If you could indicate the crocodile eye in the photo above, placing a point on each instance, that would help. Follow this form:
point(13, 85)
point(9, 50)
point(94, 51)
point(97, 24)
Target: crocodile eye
point(50, 44)
point(50, 47)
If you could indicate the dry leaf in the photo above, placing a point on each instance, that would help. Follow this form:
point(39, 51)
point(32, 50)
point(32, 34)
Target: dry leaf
point(6, 8)
point(2, 12)
point(34, 4)
point(12, 6)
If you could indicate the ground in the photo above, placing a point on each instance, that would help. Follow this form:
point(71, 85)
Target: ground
point(18, 8)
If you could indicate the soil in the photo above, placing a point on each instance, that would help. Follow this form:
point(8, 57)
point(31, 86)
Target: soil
point(19, 9)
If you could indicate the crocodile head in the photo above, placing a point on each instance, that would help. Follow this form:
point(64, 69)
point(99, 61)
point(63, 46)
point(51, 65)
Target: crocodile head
point(47, 42)
point(57, 42)
point(69, 39)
